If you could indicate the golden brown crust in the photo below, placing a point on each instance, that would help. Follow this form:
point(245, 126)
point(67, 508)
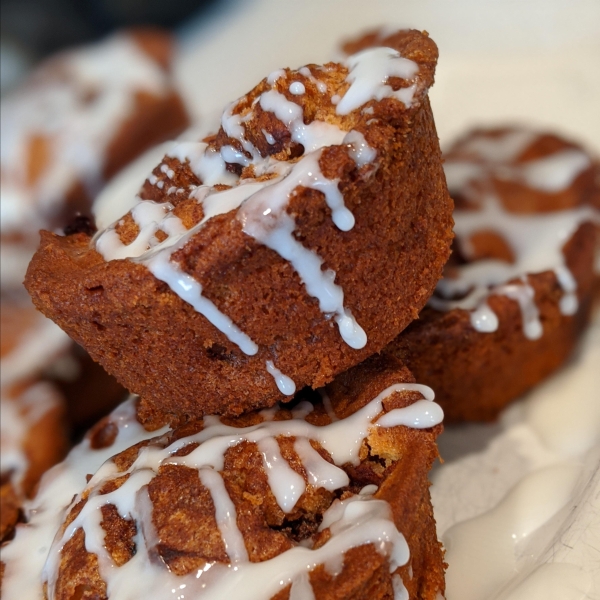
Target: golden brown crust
point(160, 347)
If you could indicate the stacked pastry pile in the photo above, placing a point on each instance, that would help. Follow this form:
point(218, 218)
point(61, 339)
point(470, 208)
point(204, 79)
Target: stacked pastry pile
point(243, 274)
point(287, 252)
point(76, 120)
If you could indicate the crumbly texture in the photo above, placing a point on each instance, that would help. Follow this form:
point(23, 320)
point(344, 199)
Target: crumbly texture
point(397, 460)
point(388, 264)
point(475, 375)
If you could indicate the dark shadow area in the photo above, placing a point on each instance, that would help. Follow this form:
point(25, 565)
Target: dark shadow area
point(41, 27)
point(467, 438)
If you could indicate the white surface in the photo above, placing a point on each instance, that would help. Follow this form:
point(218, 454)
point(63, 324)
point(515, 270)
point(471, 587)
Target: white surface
point(533, 62)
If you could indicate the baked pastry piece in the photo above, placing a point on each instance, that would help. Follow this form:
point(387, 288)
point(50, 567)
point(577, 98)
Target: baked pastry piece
point(519, 287)
point(291, 245)
point(74, 123)
point(325, 497)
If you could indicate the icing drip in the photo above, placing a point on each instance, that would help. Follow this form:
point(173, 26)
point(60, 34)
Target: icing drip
point(320, 472)
point(13, 429)
point(18, 415)
point(368, 77)
point(359, 149)
point(535, 240)
point(400, 591)
point(530, 315)
point(327, 404)
point(556, 172)
point(320, 85)
point(355, 521)
point(207, 164)
point(287, 485)
point(297, 88)
point(189, 290)
point(312, 136)
point(284, 383)
point(342, 439)
point(40, 345)
point(264, 218)
point(503, 149)
point(225, 514)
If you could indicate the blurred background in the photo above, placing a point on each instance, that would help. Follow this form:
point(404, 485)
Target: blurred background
point(499, 58)
point(33, 29)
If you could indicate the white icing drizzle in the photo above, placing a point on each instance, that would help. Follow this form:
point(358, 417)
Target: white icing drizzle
point(301, 588)
point(285, 384)
point(359, 149)
point(206, 163)
point(319, 472)
point(287, 485)
point(368, 76)
point(327, 404)
point(400, 591)
point(313, 135)
point(270, 139)
point(189, 290)
point(148, 216)
point(263, 217)
point(556, 172)
point(38, 347)
point(358, 520)
point(119, 195)
point(275, 75)
point(302, 409)
point(419, 415)
point(320, 85)
point(25, 556)
point(500, 149)
point(342, 439)
point(225, 514)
